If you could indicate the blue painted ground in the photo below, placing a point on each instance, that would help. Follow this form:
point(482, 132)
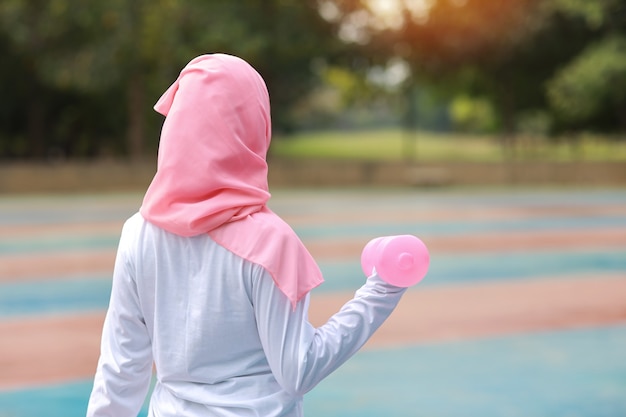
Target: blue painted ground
point(16, 245)
point(558, 374)
point(74, 294)
point(579, 373)
point(575, 373)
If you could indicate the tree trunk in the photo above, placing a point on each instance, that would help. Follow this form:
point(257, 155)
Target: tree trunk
point(136, 120)
point(410, 123)
point(135, 87)
point(621, 117)
point(507, 113)
point(36, 127)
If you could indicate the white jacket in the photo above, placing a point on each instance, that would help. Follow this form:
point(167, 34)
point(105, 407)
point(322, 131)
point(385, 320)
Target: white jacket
point(224, 340)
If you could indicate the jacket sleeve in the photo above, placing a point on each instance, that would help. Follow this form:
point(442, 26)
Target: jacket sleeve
point(300, 355)
point(124, 368)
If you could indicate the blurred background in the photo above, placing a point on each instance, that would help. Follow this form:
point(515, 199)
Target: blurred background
point(494, 130)
point(469, 80)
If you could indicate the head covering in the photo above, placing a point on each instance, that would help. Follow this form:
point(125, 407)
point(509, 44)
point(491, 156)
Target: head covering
point(212, 171)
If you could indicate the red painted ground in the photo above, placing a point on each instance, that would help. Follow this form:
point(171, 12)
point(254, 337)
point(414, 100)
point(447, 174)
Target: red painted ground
point(61, 263)
point(62, 348)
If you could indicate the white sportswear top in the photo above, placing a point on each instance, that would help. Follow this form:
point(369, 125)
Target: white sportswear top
point(224, 340)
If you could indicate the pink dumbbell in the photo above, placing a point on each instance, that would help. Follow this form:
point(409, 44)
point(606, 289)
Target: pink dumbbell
point(399, 260)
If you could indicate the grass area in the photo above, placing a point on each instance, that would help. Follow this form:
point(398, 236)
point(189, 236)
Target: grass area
point(427, 146)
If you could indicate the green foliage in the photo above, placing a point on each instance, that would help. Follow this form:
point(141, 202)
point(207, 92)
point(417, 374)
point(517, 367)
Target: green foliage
point(347, 83)
point(506, 52)
point(595, 12)
point(71, 57)
point(472, 114)
point(62, 40)
point(589, 91)
point(81, 77)
point(593, 82)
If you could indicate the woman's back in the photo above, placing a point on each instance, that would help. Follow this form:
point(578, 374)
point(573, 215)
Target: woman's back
point(196, 299)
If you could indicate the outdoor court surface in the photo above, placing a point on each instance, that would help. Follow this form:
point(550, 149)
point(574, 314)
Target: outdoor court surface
point(523, 312)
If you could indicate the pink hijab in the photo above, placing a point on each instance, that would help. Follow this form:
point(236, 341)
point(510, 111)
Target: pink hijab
point(212, 171)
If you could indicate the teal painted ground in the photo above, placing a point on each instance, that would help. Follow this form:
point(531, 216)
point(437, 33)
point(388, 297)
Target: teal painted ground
point(575, 373)
point(580, 373)
point(558, 374)
point(17, 245)
point(74, 294)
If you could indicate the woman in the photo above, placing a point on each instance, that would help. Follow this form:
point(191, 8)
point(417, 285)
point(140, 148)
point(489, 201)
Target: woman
point(210, 287)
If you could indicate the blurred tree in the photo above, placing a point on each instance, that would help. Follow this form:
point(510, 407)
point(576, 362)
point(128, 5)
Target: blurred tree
point(589, 91)
point(84, 75)
point(283, 39)
point(117, 56)
point(479, 48)
point(80, 50)
point(472, 114)
point(504, 52)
